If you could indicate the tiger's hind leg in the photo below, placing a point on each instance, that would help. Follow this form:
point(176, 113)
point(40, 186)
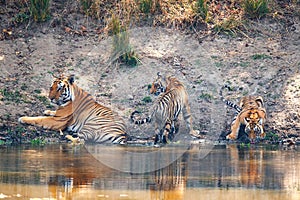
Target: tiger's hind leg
point(164, 136)
point(169, 132)
point(186, 111)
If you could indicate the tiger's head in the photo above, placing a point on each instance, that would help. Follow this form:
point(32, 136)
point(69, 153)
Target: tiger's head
point(157, 86)
point(254, 116)
point(60, 91)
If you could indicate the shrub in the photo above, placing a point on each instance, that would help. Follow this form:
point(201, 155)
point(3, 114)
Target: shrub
point(122, 50)
point(39, 10)
point(230, 25)
point(86, 5)
point(255, 8)
point(145, 6)
point(201, 9)
point(147, 99)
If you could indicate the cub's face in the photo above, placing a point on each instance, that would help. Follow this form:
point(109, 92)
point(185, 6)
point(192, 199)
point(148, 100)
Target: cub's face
point(156, 88)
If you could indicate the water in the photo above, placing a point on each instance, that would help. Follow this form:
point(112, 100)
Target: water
point(226, 172)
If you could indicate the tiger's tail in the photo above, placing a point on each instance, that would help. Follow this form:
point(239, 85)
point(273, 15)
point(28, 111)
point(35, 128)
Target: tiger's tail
point(227, 102)
point(141, 121)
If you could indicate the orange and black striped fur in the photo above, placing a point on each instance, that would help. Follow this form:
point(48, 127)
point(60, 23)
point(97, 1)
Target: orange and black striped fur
point(165, 111)
point(80, 114)
point(157, 86)
point(251, 113)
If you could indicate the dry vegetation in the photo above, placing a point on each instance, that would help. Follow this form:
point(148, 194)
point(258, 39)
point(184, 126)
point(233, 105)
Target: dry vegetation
point(196, 16)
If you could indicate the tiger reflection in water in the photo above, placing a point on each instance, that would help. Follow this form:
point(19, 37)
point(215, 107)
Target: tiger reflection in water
point(248, 164)
point(82, 178)
point(169, 183)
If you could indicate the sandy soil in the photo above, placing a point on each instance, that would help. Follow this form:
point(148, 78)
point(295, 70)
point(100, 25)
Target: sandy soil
point(263, 61)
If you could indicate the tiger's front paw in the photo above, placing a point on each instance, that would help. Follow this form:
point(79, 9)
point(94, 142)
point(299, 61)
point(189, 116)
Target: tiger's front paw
point(49, 113)
point(74, 140)
point(196, 134)
point(262, 135)
point(231, 137)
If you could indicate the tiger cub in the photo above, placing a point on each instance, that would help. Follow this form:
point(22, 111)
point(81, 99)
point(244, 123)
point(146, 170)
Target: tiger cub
point(251, 113)
point(173, 100)
point(157, 86)
point(79, 113)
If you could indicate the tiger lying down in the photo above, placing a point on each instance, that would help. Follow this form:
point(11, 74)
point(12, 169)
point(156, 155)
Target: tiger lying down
point(172, 100)
point(251, 113)
point(80, 114)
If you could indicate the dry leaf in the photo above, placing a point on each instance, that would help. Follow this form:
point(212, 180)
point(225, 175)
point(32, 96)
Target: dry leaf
point(83, 29)
point(8, 32)
point(67, 29)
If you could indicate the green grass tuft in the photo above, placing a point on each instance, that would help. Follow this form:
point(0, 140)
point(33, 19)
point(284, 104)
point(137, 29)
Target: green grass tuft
point(201, 9)
point(40, 10)
point(122, 50)
point(255, 8)
point(147, 99)
point(260, 57)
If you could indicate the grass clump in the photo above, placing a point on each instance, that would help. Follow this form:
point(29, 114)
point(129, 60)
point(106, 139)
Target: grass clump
point(201, 9)
point(122, 50)
point(255, 8)
point(40, 10)
point(147, 99)
point(260, 57)
point(228, 25)
point(206, 96)
point(145, 6)
point(37, 142)
point(12, 96)
point(270, 136)
point(21, 17)
point(86, 5)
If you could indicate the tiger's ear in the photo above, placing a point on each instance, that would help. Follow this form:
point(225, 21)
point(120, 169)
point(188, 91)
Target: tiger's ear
point(71, 79)
point(159, 75)
point(259, 100)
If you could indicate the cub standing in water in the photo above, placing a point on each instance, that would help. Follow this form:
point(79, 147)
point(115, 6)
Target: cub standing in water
point(79, 113)
point(172, 101)
point(251, 113)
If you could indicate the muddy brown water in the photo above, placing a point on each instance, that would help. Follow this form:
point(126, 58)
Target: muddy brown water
point(223, 172)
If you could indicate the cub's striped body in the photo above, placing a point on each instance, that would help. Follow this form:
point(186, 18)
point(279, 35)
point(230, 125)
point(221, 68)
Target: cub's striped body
point(80, 114)
point(167, 108)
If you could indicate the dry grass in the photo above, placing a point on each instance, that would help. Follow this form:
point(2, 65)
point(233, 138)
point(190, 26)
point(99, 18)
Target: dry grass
point(226, 16)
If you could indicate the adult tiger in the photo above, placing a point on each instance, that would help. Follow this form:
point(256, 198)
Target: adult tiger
point(79, 113)
point(167, 108)
point(251, 113)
